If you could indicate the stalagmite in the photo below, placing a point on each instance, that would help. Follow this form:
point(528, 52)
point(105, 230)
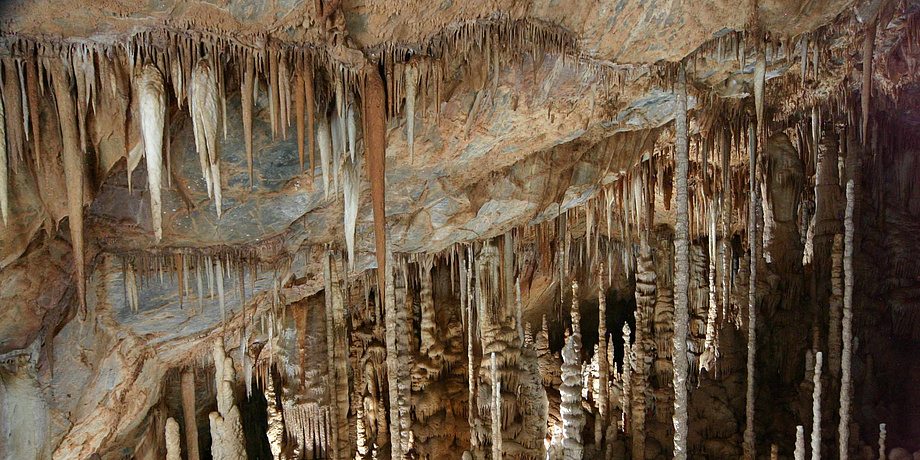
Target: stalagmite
point(710, 348)
point(275, 430)
point(352, 188)
point(749, 442)
point(4, 170)
point(73, 171)
point(392, 360)
point(816, 410)
point(646, 288)
point(153, 114)
point(227, 441)
point(573, 418)
point(188, 413)
point(324, 139)
point(428, 333)
point(882, 434)
point(246, 100)
point(205, 105)
point(411, 80)
point(173, 447)
point(496, 409)
point(374, 114)
point(601, 420)
point(846, 357)
point(835, 305)
point(682, 273)
point(800, 442)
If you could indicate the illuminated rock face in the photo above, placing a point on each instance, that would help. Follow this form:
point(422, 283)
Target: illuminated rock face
point(486, 157)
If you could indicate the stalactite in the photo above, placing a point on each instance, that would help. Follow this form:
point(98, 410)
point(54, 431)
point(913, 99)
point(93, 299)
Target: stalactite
point(4, 171)
point(12, 97)
point(411, 81)
point(337, 125)
point(299, 95)
point(246, 95)
point(311, 113)
point(816, 410)
point(868, 51)
point(32, 81)
point(73, 171)
point(205, 106)
point(173, 447)
point(188, 412)
point(799, 443)
point(496, 409)
point(352, 188)
point(324, 139)
point(219, 275)
point(682, 274)
point(375, 145)
point(846, 357)
point(573, 418)
point(760, 71)
point(749, 442)
point(273, 96)
point(153, 114)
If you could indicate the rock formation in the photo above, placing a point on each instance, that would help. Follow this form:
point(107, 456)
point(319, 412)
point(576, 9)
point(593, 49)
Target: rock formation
point(539, 234)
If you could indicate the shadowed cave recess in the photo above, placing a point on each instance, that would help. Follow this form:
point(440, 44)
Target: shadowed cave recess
point(493, 229)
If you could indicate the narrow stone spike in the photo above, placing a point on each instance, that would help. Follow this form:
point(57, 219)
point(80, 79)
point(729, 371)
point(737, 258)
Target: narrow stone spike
point(816, 409)
point(246, 95)
point(682, 275)
point(73, 171)
point(411, 80)
point(4, 171)
point(32, 81)
point(760, 71)
point(352, 131)
point(200, 287)
point(205, 106)
point(299, 110)
point(374, 115)
point(324, 139)
point(749, 440)
point(311, 113)
point(12, 98)
point(351, 183)
point(273, 91)
point(866, 96)
point(222, 96)
point(219, 275)
point(152, 95)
